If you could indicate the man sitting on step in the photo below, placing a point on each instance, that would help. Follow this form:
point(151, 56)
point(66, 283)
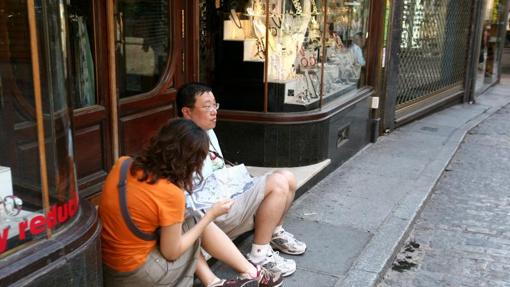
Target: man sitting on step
point(262, 207)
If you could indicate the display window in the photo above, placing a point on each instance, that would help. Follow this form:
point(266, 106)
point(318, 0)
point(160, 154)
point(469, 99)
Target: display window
point(487, 67)
point(37, 177)
point(282, 55)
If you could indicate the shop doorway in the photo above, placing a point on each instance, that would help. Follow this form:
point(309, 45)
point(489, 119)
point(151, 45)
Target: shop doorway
point(492, 42)
point(505, 61)
point(126, 58)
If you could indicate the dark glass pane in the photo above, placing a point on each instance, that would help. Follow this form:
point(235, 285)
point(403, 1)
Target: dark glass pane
point(19, 158)
point(23, 219)
point(142, 44)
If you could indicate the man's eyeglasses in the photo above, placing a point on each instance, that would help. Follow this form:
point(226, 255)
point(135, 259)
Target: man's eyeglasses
point(211, 108)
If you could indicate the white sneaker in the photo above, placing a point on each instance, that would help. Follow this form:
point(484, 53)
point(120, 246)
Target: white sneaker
point(275, 263)
point(286, 243)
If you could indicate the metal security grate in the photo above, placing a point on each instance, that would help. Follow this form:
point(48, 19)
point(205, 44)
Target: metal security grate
point(433, 47)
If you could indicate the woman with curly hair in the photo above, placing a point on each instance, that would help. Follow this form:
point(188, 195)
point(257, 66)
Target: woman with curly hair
point(147, 237)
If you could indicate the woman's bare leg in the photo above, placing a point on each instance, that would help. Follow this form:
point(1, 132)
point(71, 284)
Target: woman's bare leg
point(219, 246)
point(203, 272)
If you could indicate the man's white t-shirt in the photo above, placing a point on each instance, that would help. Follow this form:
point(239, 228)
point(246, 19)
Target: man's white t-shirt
point(212, 162)
point(219, 182)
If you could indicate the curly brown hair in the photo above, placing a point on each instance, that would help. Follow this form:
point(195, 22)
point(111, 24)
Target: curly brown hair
point(175, 153)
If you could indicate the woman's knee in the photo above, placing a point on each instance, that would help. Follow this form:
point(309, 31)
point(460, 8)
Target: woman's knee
point(210, 233)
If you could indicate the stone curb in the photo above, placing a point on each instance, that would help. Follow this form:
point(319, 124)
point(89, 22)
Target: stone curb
point(380, 252)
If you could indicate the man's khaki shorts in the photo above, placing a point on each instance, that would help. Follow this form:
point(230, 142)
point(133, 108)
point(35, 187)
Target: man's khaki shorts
point(241, 216)
point(157, 271)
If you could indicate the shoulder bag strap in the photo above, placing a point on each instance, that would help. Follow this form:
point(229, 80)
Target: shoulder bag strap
point(217, 154)
point(123, 204)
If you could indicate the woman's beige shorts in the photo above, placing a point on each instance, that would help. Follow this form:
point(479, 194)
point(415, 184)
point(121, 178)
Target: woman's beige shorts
point(157, 271)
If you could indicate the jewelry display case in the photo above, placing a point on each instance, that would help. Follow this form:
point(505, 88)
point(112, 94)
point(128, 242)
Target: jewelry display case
point(282, 55)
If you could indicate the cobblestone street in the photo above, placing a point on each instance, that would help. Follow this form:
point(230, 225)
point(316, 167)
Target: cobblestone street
point(462, 237)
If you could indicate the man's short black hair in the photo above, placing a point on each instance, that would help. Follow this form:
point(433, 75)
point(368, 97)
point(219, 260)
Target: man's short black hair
point(187, 95)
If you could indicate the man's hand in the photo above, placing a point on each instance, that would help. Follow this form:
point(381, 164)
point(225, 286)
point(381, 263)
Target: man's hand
point(220, 207)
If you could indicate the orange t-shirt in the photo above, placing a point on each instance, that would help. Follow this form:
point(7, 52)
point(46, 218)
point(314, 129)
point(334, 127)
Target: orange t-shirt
point(150, 206)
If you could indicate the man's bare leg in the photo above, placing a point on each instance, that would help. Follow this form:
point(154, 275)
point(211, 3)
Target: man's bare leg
point(268, 216)
point(281, 239)
point(291, 181)
point(272, 208)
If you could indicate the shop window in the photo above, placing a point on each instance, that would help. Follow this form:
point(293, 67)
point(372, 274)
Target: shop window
point(142, 44)
point(308, 54)
point(37, 177)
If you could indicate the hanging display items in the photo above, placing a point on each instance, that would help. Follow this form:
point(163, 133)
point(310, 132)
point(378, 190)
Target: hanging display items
point(236, 29)
point(294, 43)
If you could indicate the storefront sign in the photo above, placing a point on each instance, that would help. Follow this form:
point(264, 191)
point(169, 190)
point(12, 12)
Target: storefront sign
point(38, 223)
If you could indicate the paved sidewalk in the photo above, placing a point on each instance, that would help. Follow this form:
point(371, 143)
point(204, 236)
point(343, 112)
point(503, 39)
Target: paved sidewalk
point(356, 218)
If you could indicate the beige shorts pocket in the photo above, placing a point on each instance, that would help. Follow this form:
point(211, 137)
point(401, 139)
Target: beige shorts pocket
point(161, 272)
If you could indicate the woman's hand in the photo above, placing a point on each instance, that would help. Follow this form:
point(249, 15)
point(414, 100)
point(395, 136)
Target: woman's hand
point(174, 243)
point(220, 207)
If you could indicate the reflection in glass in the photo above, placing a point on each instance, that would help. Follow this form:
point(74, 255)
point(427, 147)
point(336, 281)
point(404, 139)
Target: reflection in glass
point(142, 43)
point(489, 46)
point(10, 205)
point(25, 218)
point(345, 43)
point(19, 158)
point(81, 34)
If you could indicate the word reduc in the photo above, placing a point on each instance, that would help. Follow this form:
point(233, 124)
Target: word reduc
point(57, 214)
